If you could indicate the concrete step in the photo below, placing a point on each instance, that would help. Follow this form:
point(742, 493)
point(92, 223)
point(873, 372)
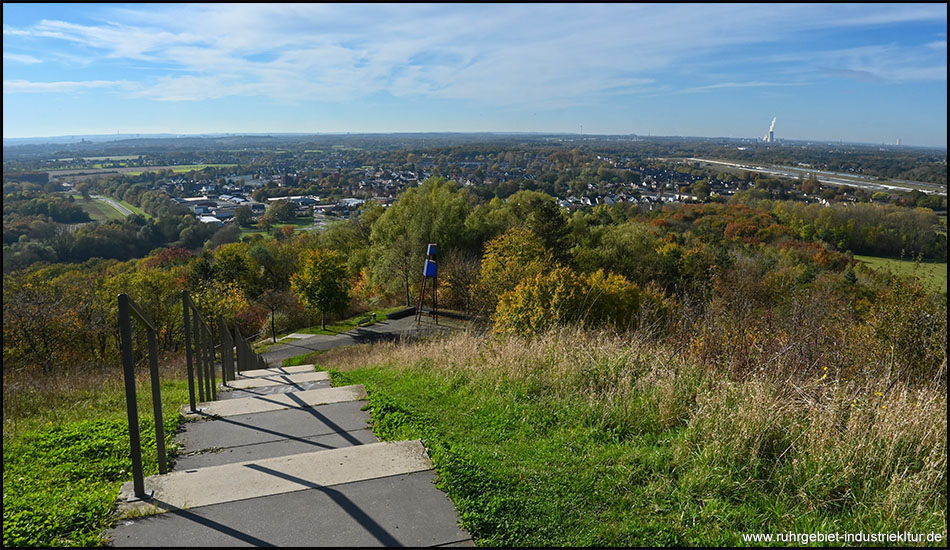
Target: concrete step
point(262, 403)
point(278, 380)
point(195, 488)
point(271, 449)
point(404, 510)
point(275, 370)
point(277, 433)
point(228, 393)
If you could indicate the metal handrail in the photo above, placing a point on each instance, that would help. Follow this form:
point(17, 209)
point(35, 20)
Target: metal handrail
point(199, 351)
point(227, 351)
point(246, 358)
point(127, 308)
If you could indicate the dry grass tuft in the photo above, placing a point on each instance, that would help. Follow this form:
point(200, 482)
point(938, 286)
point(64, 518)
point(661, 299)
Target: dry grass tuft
point(33, 398)
point(833, 442)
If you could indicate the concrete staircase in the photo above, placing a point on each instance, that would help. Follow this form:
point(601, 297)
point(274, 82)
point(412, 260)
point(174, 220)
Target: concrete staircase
point(284, 459)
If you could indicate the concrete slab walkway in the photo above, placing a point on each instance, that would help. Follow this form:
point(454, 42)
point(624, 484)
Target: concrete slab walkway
point(275, 371)
point(261, 435)
point(289, 466)
point(405, 510)
point(278, 380)
point(185, 489)
point(303, 399)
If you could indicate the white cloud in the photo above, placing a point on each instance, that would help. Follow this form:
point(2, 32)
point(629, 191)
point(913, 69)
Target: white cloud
point(724, 85)
point(11, 31)
point(26, 86)
point(553, 55)
point(21, 58)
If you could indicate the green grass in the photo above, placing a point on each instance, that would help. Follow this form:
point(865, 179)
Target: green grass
point(133, 208)
point(297, 224)
point(98, 210)
point(525, 472)
point(305, 359)
point(180, 169)
point(120, 157)
point(534, 453)
point(66, 454)
point(932, 273)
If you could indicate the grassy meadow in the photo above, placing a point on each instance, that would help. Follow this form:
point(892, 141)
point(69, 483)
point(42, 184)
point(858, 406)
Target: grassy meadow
point(98, 210)
point(297, 224)
point(932, 274)
point(575, 439)
point(179, 169)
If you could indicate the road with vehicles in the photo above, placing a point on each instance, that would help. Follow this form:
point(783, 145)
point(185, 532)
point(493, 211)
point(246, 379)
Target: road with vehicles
point(834, 178)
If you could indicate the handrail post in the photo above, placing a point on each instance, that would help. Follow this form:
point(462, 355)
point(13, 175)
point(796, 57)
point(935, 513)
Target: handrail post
point(157, 400)
point(211, 375)
point(191, 372)
point(208, 362)
point(199, 358)
point(227, 351)
point(241, 352)
point(131, 403)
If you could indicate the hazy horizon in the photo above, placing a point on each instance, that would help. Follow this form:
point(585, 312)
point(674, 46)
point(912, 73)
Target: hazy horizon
point(113, 138)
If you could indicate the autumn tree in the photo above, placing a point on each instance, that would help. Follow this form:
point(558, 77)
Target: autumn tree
point(321, 282)
point(564, 297)
point(508, 259)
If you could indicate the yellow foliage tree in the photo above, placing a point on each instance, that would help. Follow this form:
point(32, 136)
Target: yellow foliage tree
point(510, 258)
point(562, 297)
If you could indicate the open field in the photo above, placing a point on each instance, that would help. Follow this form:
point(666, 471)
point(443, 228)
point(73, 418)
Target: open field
point(931, 273)
point(133, 208)
point(299, 224)
point(351, 323)
point(131, 170)
point(178, 169)
point(98, 210)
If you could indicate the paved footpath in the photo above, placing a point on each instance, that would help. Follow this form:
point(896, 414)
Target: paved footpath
point(283, 459)
point(390, 329)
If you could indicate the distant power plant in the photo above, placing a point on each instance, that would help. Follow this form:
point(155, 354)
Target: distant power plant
point(770, 137)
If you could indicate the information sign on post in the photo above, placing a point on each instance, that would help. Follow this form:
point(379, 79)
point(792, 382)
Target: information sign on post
point(429, 271)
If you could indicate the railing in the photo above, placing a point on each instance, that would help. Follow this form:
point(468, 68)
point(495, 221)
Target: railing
point(227, 351)
point(199, 350)
point(200, 359)
point(127, 309)
point(246, 358)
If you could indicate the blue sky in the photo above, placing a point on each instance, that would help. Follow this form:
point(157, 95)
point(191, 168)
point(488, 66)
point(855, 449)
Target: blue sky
point(856, 72)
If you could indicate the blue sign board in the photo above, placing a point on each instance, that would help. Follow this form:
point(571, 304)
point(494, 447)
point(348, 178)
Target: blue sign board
point(429, 270)
point(432, 250)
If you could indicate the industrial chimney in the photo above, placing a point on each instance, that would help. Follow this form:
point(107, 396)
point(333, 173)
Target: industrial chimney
point(770, 138)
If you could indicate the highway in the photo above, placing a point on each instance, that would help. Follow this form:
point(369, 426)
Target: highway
point(833, 178)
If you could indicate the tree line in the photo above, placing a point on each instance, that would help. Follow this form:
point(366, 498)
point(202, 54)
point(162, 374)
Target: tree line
point(522, 264)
